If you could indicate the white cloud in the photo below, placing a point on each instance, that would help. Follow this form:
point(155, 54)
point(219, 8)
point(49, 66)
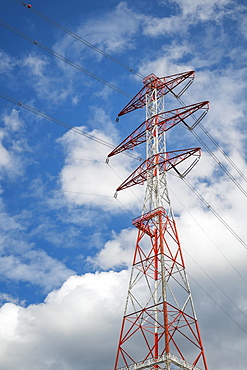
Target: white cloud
point(112, 34)
point(4, 297)
point(243, 26)
point(22, 261)
point(203, 10)
point(117, 252)
point(47, 84)
point(5, 157)
point(60, 332)
point(85, 313)
point(35, 65)
point(92, 182)
point(13, 122)
point(192, 12)
point(10, 134)
point(35, 267)
point(7, 63)
point(168, 61)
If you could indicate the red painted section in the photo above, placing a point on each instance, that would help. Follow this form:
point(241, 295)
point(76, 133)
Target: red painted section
point(159, 316)
point(164, 86)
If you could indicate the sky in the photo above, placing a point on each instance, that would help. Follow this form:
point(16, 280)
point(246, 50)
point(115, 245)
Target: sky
point(66, 242)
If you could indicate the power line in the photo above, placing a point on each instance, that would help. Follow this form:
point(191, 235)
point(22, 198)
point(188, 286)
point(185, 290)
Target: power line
point(223, 152)
point(61, 123)
point(121, 91)
point(43, 47)
point(240, 275)
point(218, 147)
point(66, 60)
point(231, 177)
point(18, 184)
point(80, 39)
point(222, 291)
point(126, 94)
point(218, 305)
point(55, 155)
point(241, 241)
point(213, 281)
point(81, 132)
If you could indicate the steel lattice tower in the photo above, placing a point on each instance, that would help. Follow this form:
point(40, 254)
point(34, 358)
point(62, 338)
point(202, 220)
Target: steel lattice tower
point(159, 328)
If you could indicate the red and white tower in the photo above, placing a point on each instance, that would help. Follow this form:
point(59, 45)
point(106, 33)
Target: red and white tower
point(159, 328)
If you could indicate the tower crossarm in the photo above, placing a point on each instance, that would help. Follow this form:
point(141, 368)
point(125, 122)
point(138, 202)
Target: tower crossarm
point(164, 121)
point(161, 162)
point(163, 86)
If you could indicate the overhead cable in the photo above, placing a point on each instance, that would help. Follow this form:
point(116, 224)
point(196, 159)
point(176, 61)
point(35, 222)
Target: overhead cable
point(216, 246)
point(241, 241)
point(75, 65)
point(223, 152)
point(231, 177)
point(218, 304)
point(222, 291)
point(217, 146)
point(61, 123)
point(17, 184)
point(66, 60)
point(141, 76)
point(98, 140)
point(78, 38)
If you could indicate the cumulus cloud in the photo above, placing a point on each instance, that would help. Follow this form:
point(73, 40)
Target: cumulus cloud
point(35, 267)
point(86, 311)
point(53, 333)
point(91, 181)
point(78, 325)
point(117, 252)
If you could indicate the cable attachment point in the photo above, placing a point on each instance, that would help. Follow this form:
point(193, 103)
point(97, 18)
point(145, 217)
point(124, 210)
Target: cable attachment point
point(117, 119)
point(115, 195)
point(107, 160)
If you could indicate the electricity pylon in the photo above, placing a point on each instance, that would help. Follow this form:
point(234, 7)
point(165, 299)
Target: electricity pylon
point(159, 328)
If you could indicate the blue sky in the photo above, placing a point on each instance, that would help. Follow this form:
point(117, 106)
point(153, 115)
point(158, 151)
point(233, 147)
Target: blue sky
point(66, 242)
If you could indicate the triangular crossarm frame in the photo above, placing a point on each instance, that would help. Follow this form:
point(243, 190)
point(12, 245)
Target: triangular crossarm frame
point(161, 162)
point(164, 121)
point(163, 85)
